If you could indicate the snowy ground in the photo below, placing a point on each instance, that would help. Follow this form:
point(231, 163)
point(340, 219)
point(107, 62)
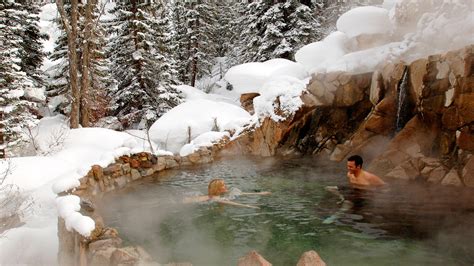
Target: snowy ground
point(409, 30)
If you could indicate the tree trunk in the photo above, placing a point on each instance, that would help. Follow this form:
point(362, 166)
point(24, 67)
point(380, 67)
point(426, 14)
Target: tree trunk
point(2, 141)
point(85, 117)
point(195, 59)
point(71, 33)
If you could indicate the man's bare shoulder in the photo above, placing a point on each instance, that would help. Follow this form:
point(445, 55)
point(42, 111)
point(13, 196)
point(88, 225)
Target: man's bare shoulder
point(373, 179)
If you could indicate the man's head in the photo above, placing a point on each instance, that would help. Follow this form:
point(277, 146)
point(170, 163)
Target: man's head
point(354, 163)
point(216, 187)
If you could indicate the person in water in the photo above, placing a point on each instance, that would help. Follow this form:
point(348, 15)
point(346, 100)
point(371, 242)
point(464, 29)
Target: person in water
point(216, 189)
point(359, 177)
point(361, 182)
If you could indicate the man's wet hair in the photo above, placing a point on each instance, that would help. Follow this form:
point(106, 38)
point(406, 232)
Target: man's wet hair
point(357, 159)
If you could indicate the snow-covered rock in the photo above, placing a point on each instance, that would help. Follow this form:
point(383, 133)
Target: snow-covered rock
point(250, 77)
point(364, 20)
point(188, 120)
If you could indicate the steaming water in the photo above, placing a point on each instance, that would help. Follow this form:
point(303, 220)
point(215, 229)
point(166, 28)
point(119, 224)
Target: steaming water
point(405, 225)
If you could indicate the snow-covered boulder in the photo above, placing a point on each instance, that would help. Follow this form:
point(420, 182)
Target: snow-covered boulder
point(314, 54)
point(188, 120)
point(364, 20)
point(250, 77)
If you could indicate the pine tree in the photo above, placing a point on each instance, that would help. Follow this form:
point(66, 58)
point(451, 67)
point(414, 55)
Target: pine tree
point(58, 89)
point(141, 69)
point(195, 28)
point(19, 111)
point(276, 29)
point(98, 77)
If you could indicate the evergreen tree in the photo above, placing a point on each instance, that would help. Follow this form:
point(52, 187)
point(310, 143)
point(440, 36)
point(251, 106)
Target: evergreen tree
point(193, 38)
point(19, 111)
point(144, 90)
point(58, 90)
point(276, 29)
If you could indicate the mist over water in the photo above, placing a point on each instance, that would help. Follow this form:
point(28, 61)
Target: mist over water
point(407, 224)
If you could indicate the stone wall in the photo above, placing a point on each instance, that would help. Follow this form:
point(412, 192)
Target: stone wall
point(431, 137)
point(104, 246)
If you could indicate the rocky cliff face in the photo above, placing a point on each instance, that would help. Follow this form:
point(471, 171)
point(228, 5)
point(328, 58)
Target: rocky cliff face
point(412, 121)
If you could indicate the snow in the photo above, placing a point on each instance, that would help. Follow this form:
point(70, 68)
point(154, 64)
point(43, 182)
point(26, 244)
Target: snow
point(317, 53)
point(68, 209)
point(41, 177)
point(192, 93)
point(364, 20)
point(287, 89)
point(250, 77)
point(205, 139)
point(47, 25)
point(404, 29)
point(190, 119)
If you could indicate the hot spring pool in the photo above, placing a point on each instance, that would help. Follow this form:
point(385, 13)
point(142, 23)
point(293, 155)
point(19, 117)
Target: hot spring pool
point(407, 224)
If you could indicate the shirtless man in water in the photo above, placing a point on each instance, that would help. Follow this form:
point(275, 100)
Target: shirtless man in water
point(359, 177)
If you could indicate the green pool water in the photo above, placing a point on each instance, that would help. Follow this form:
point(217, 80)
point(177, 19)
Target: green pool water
point(407, 224)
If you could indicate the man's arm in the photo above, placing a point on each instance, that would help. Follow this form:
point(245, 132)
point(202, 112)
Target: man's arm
point(375, 180)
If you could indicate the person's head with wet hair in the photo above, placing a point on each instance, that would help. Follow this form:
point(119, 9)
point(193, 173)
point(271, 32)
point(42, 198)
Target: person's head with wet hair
point(216, 187)
point(357, 160)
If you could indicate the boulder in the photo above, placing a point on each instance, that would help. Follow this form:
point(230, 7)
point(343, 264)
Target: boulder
point(310, 258)
point(253, 259)
point(104, 244)
point(98, 172)
point(124, 256)
point(452, 178)
point(468, 172)
point(376, 88)
point(465, 140)
point(436, 174)
point(113, 170)
point(102, 257)
point(246, 101)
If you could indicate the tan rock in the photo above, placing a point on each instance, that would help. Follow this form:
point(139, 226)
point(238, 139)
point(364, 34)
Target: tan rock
point(194, 157)
point(310, 258)
point(113, 170)
point(379, 124)
point(309, 99)
point(171, 163)
point(135, 174)
point(160, 164)
point(398, 173)
point(127, 256)
point(452, 178)
point(102, 257)
point(146, 172)
point(98, 172)
point(340, 152)
point(104, 244)
point(246, 101)
point(437, 174)
point(376, 88)
point(468, 172)
point(126, 168)
point(253, 259)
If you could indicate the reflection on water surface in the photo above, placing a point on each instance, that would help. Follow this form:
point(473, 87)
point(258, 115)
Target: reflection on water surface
point(407, 224)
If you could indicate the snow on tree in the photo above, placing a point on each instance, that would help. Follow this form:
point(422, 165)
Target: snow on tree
point(90, 42)
point(276, 29)
point(143, 92)
point(18, 90)
point(195, 28)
